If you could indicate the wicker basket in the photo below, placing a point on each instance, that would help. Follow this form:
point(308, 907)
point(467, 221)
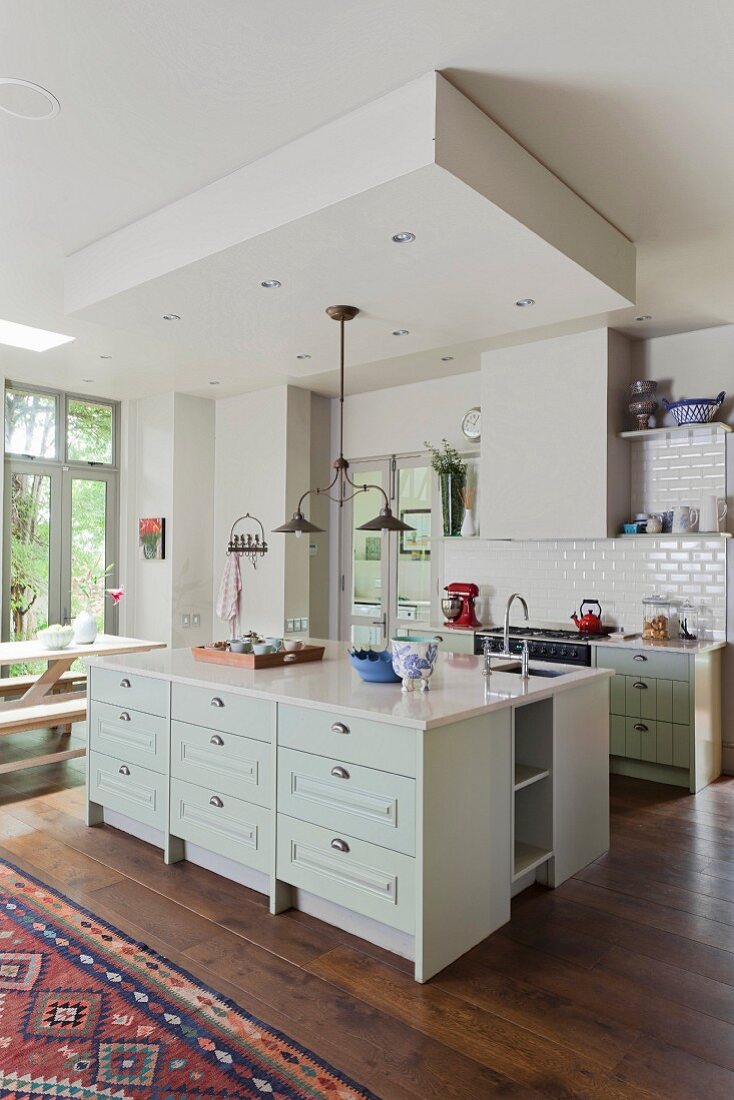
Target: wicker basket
point(695, 410)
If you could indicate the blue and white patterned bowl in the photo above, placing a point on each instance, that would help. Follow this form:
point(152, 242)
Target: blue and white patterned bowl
point(695, 410)
point(414, 661)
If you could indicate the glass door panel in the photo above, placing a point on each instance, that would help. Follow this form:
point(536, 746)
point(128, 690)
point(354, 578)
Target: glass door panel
point(88, 548)
point(413, 588)
point(366, 577)
point(30, 554)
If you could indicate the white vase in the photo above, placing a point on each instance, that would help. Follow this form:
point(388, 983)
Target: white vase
point(85, 628)
point(468, 530)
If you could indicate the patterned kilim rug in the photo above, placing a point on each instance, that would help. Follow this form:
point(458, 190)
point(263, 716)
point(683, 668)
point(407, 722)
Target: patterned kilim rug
point(85, 1013)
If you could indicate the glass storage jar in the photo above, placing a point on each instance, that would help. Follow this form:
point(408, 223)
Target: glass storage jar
point(688, 622)
point(656, 617)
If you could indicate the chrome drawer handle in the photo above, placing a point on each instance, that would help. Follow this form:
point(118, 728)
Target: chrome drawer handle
point(339, 727)
point(639, 657)
point(124, 717)
point(124, 770)
point(339, 773)
point(215, 800)
point(641, 727)
point(216, 702)
point(639, 684)
point(340, 845)
point(216, 740)
point(125, 683)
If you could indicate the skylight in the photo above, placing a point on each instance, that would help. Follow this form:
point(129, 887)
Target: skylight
point(32, 339)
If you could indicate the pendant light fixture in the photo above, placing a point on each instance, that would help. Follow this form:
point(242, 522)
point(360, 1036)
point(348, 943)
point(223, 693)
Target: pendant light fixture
point(341, 482)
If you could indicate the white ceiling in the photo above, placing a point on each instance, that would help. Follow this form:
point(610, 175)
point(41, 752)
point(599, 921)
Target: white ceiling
point(628, 102)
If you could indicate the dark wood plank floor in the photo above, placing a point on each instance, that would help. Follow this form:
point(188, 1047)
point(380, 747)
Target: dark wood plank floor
point(618, 984)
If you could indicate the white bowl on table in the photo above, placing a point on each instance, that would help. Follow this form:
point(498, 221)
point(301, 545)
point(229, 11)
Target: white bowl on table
point(56, 637)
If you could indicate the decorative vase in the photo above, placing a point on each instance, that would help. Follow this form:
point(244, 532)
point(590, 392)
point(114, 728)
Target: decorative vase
point(413, 661)
point(149, 550)
point(452, 503)
point(85, 628)
point(468, 530)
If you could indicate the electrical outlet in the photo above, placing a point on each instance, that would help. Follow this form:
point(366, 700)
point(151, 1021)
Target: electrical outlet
point(290, 626)
point(196, 619)
point(304, 624)
point(185, 621)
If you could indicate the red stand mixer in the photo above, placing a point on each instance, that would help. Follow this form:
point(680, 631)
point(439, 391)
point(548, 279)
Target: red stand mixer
point(458, 605)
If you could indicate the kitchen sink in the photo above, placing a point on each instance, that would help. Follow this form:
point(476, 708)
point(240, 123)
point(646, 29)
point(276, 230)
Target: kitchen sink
point(548, 673)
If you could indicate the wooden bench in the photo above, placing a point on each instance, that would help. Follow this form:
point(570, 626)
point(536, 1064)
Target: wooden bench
point(15, 686)
point(19, 719)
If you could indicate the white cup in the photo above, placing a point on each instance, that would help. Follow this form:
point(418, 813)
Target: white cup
point(684, 519)
point(713, 513)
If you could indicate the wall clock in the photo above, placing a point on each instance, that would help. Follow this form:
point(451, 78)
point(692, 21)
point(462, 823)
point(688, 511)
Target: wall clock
point(471, 424)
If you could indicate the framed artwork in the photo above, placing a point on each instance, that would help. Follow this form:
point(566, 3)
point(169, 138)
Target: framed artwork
point(416, 543)
point(152, 536)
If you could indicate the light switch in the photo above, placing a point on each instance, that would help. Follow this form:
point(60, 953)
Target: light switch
point(185, 621)
point(196, 619)
point(290, 626)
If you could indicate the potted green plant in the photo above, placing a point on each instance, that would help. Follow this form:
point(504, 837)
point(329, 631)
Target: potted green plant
point(451, 470)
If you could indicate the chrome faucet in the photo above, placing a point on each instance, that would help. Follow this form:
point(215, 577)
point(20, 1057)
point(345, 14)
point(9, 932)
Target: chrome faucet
point(506, 636)
point(506, 651)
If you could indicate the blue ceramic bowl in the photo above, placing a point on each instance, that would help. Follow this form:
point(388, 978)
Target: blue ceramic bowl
point(374, 668)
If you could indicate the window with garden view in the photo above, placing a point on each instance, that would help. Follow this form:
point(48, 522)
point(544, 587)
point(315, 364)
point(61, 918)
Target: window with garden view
point(61, 494)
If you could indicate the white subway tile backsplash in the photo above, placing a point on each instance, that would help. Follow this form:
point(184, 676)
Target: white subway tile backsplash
point(555, 576)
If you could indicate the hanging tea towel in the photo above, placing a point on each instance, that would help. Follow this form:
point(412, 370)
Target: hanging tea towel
point(228, 600)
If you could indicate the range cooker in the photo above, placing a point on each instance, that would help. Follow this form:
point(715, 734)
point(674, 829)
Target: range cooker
point(566, 647)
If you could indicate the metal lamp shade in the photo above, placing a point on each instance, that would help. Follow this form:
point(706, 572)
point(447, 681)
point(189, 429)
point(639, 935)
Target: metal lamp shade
point(386, 521)
point(298, 525)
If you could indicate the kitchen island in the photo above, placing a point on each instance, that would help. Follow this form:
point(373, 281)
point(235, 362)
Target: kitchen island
point(408, 819)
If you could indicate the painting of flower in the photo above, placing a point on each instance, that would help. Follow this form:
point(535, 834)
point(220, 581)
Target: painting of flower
point(152, 534)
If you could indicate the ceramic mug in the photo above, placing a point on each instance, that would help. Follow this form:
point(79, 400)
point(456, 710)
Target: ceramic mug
point(713, 513)
point(654, 525)
point(685, 519)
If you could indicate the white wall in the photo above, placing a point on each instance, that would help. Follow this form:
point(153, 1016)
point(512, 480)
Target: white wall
point(400, 419)
point(261, 466)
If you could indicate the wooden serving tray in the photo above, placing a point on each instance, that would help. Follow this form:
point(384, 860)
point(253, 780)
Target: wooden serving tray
point(252, 660)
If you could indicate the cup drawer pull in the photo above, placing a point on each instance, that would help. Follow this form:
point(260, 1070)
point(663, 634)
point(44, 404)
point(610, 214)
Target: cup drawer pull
point(639, 684)
point(639, 657)
point(339, 772)
point(339, 845)
point(339, 727)
point(641, 727)
point(215, 739)
point(125, 684)
point(216, 702)
point(215, 800)
point(124, 717)
point(124, 770)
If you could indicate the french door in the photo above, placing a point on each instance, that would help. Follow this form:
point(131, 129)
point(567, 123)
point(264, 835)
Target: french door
point(60, 535)
point(388, 579)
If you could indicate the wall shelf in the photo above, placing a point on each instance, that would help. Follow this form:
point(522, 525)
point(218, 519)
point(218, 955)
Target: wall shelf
point(528, 857)
point(525, 774)
point(677, 535)
point(656, 433)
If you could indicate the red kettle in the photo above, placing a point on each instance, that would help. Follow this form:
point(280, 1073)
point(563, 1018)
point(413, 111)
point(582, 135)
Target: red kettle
point(589, 623)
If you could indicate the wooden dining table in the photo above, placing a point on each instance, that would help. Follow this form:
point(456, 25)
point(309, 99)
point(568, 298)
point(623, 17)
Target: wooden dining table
point(42, 705)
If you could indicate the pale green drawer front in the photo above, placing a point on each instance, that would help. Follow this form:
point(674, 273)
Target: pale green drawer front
point(228, 826)
point(360, 876)
point(665, 743)
point(617, 729)
point(130, 734)
point(633, 739)
point(681, 746)
point(127, 689)
point(223, 711)
point(366, 803)
point(131, 790)
point(664, 699)
point(236, 766)
point(666, 666)
point(641, 697)
point(354, 740)
point(618, 695)
point(681, 702)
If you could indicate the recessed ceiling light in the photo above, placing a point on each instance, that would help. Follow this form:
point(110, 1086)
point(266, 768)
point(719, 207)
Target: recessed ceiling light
point(271, 284)
point(403, 238)
point(304, 355)
point(171, 317)
point(32, 339)
point(105, 356)
point(401, 332)
point(644, 317)
point(446, 358)
point(523, 302)
point(214, 383)
point(24, 99)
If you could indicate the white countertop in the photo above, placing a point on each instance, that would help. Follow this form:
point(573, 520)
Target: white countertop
point(673, 646)
point(457, 687)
